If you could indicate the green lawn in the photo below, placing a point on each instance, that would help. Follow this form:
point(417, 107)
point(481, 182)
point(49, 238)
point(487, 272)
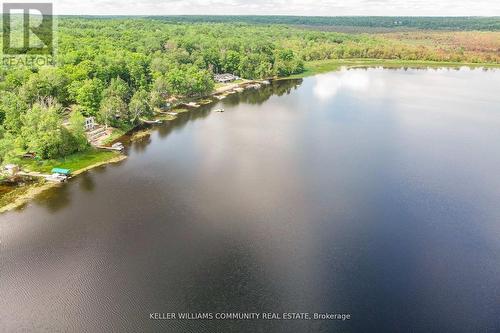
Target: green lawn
point(73, 162)
point(117, 133)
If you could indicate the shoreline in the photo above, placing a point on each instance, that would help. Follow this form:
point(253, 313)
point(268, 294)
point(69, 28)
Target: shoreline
point(40, 187)
point(310, 69)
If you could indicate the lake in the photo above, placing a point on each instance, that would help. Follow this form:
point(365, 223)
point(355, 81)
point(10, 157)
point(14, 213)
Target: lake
point(369, 192)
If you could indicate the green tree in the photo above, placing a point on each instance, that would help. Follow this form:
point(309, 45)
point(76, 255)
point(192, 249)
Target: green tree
point(88, 94)
point(138, 68)
point(189, 81)
point(11, 109)
point(139, 106)
point(200, 82)
point(48, 82)
point(7, 146)
point(77, 130)
point(113, 111)
point(16, 77)
point(231, 62)
point(159, 92)
point(42, 131)
point(118, 88)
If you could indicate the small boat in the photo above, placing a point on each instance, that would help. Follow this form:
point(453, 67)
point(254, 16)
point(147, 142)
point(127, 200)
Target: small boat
point(57, 178)
point(219, 110)
point(152, 122)
point(193, 105)
point(118, 146)
point(255, 86)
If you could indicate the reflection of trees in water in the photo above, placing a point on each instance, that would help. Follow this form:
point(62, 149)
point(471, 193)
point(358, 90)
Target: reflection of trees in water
point(140, 145)
point(87, 183)
point(54, 199)
point(261, 95)
point(183, 119)
point(249, 96)
point(286, 86)
point(422, 68)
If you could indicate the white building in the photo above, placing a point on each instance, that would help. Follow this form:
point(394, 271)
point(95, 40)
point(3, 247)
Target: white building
point(224, 78)
point(89, 123)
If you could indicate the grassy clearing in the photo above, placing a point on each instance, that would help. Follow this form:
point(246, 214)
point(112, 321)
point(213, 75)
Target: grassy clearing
point(117, 133)
point(324, 66)
point(73, 162)
point(77, 163)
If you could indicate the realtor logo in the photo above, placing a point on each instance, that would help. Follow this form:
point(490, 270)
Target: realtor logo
point(28, 29)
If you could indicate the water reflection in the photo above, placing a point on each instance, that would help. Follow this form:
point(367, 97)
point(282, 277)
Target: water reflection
point(371, 192)
point(359, 81)
point(87, 182)
point(55, 199)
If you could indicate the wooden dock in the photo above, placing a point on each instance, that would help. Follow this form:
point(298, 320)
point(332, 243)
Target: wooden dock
point(109, 148)
point(50, 178)
point(152, 122)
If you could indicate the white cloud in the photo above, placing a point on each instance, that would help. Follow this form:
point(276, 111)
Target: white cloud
point(280, 7)
point(329, 85)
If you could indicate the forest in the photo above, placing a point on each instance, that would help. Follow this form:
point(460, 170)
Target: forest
point(394, 22)
point(120, 70)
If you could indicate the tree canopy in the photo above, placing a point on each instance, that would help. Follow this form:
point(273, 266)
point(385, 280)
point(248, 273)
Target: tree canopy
point(119, 69)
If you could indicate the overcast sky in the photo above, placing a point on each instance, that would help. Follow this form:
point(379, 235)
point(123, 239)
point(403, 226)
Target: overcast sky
point(281, 7)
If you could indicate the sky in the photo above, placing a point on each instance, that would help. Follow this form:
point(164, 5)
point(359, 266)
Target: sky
point(280, 7)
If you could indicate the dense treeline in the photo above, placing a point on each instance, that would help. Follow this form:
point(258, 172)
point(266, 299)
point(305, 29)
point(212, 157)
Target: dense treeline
point(442, 23)
point(120, 70)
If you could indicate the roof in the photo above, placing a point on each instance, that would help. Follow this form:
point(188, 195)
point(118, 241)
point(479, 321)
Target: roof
point(225, 77)
point(61, 171)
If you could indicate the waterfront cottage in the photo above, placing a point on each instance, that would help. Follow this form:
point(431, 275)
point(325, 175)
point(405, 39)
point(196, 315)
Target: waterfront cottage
point(225, 78)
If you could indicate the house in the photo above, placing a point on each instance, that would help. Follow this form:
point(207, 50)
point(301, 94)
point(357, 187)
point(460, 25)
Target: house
point(89, 123)
point(224, 78)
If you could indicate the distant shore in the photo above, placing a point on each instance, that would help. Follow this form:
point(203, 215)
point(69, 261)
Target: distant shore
point(330, 65)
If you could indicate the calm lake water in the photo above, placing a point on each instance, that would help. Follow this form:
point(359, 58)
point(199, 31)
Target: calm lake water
point(369, 192)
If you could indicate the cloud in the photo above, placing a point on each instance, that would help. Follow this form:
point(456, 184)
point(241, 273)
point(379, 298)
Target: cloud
point(329, 85)
point(280, 7)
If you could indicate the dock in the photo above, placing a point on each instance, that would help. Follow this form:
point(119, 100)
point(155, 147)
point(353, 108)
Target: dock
point(115, 147)
point(192, 105)
point(55, 177)
point(152, 122)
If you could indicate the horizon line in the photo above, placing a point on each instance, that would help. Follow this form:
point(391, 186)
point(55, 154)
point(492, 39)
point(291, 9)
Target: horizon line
point(275, 15)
